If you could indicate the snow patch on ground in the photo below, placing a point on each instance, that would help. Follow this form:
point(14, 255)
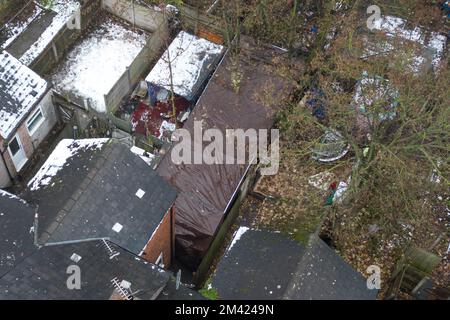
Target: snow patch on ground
point(65, 150)
point(166, 127)
point(396, 27)
point(371, 90)
point(93, 67)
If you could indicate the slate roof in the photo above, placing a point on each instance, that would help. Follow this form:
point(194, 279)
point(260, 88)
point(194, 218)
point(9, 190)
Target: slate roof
point(87, 187)
point(261, 264)
point(44, 275)
point(16, 231)
point(323, 275)
point(20, 90)
point(31, 272)
point(170, 292)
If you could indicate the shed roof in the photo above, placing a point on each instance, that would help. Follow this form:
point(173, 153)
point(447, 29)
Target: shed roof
point(262, 264)
point(59, 15)
point(205, 191)
point(20, 90)
point(98, 188)
point(191, 59)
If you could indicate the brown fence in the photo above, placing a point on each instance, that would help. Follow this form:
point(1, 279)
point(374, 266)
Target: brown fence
point(202, 24)
point(138, 69)
point(140, 16)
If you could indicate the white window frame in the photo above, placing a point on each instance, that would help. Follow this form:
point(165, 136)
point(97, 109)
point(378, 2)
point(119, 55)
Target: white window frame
point(160, 260)
point(38, 124)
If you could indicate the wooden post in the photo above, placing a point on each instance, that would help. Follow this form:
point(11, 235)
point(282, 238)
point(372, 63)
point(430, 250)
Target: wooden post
point(55, 51)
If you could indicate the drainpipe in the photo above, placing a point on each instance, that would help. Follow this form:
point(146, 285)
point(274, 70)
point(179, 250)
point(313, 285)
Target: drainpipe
point(75, 132)
point(11, 179)
point(172, 235)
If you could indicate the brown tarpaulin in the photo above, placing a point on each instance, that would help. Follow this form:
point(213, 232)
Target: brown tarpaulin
point(205, 191)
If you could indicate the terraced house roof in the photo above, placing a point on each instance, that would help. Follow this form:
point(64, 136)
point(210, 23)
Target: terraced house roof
point(20, 90)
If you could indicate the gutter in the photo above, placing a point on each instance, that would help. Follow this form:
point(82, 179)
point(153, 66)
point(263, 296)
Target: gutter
point(74, 241)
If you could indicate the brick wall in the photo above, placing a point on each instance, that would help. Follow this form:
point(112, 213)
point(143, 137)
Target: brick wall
point(162, 240)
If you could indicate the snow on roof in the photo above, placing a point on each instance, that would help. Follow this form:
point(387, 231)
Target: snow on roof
point(14, 28)
point(94, 65)
point(189, 56)
point(6, 194)
point(144, 155)
point(64, 10)
point(65, 150)
point(20, 90)
point(396, 27)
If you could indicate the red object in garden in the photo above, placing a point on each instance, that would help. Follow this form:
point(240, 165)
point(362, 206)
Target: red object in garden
point(147, 120)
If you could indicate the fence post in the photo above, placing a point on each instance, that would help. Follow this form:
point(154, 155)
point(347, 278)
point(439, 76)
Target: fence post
point(129, 78)
point(55, 51)
point(105, 97)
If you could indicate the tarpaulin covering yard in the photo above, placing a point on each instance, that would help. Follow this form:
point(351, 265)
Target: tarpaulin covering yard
point(206, 191)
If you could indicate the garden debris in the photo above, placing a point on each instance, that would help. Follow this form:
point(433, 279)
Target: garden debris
point(321, 180)
point(331, 148)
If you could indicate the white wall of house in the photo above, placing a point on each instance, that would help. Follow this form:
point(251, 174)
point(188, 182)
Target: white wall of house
point(47, 124)
point(31, 134)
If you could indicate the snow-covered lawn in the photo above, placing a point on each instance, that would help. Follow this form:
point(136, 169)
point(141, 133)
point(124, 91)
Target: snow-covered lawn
point(95, 64)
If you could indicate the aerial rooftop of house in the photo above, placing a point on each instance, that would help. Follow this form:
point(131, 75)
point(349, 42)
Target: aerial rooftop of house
point(108, 272)
point(30, 32)
point(98, 188)
point(189, 59)
point(262, 264)
point(20, 90)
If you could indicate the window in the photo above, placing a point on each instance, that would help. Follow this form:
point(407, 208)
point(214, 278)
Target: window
point(35, 121)
point(14, 146)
